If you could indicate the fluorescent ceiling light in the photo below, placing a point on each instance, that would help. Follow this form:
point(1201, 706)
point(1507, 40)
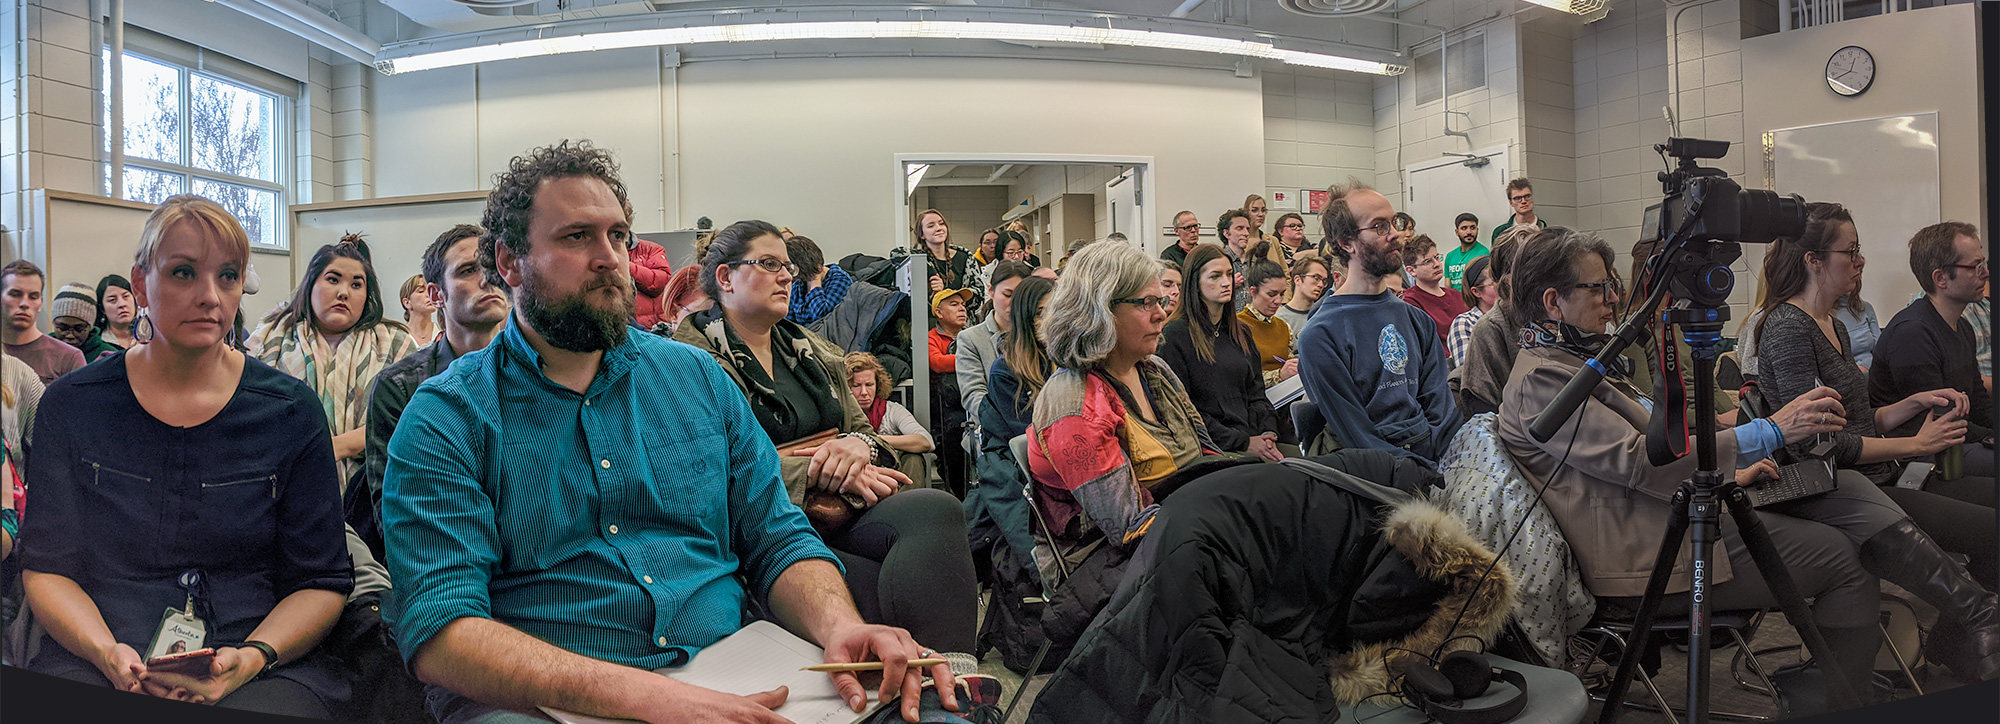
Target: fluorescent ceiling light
point(881, 29)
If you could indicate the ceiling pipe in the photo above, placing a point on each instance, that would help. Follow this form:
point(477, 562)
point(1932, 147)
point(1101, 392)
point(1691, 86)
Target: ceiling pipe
point(1185, 8)
point(305, 22)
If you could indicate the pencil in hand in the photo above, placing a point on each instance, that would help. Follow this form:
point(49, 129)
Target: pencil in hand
point(867, 666)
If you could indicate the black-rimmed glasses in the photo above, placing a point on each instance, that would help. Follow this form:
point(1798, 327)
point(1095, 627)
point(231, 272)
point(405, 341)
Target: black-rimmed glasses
point(768, 264)
point(1144, 303)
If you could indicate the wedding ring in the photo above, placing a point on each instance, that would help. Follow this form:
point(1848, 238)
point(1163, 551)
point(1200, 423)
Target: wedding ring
point(926, 653)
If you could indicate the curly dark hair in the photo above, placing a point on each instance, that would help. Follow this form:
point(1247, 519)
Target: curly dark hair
point(508, 205)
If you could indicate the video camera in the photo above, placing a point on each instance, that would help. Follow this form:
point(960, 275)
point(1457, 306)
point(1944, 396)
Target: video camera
point(1703, 218)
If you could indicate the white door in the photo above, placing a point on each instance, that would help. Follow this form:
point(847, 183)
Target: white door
point(1437, 191)
point(1122, 198)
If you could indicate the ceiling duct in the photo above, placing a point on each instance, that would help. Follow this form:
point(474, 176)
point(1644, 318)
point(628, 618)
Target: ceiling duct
point(1337, 8)
point(461, 16)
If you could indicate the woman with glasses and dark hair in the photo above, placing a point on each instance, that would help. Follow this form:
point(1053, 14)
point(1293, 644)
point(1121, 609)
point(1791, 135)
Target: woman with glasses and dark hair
point(904, 550)
point(1613, 504)
point(1213, 352)
point(1291, 237)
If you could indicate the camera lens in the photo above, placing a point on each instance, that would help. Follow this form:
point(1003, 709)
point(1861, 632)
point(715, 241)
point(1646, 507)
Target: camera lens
point(1766, 216)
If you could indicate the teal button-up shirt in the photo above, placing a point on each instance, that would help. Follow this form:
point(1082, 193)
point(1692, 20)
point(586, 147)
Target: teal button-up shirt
point(623, 524)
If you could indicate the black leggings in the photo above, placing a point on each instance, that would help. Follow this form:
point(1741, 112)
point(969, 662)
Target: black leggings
point(909, 566)
point(268, 695)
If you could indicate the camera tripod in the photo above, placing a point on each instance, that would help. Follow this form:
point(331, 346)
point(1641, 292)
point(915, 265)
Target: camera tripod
point(1696, 504)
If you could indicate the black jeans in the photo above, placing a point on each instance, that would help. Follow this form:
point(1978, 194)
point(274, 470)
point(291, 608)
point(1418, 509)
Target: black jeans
point(268, 695)
point(909, 565)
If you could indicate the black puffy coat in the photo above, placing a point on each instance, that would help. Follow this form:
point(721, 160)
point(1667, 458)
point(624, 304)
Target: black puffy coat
point(1265, 594)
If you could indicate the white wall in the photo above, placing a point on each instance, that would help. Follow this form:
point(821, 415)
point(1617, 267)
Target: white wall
point(1785, 87)
point(1319, 129)
point(1407, 133)
point(811, 144)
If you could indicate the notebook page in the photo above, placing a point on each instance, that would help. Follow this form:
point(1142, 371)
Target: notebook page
point(760, 657)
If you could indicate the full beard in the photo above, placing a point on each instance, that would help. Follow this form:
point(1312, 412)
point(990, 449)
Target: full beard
point(1382, 264)
point(571, 322)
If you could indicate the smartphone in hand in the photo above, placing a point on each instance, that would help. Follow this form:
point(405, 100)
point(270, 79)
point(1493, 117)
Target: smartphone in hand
point(197, 663)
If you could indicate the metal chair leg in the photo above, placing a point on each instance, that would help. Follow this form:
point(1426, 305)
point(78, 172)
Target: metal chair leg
point(1743, 650)
point(1896, 653)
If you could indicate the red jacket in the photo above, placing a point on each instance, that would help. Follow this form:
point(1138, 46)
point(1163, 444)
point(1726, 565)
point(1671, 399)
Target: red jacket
point(942, 358)
point(650, 272)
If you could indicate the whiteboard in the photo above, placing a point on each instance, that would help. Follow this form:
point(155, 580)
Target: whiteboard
point(1885, 171)
point(397, 235)
point(1439, 190)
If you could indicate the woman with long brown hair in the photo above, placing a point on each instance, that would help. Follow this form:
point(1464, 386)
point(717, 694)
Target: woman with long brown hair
point(1212, 352)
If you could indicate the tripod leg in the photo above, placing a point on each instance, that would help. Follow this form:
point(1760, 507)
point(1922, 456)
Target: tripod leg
point(1786, 590)
point(1642, 625)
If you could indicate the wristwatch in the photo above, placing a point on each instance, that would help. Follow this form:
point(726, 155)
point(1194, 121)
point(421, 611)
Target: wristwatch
point(270, 655)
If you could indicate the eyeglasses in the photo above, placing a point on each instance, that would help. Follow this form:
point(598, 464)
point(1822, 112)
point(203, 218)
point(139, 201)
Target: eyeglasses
point(1292, 225)
point(1854, 252)
point(1402, 225)
point(1603, 288)
point(1381, 228)
point(1522, 197)
point(1427, 262)
point(1188, 227)
point(1146, 303)
point(1321, 278)
point(768, 264)
point(72, 327)
point(1979, 268)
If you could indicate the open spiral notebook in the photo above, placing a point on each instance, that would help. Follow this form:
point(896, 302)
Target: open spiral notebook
point(760, 657)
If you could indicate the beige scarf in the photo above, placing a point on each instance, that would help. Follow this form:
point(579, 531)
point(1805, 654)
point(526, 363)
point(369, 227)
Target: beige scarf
point(343, 376)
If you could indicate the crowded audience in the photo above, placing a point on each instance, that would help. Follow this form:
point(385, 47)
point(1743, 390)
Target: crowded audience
point(732, 438)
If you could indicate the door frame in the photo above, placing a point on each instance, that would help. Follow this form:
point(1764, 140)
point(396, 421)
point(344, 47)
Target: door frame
point(920, 317)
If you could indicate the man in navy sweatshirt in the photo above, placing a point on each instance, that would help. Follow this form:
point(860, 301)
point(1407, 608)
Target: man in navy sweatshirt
point(1374, 364)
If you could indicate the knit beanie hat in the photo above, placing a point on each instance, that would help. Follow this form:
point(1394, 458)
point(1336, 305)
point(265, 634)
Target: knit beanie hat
point(75, 299)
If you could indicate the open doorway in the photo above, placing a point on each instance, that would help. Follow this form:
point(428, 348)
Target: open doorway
point(1055, 203)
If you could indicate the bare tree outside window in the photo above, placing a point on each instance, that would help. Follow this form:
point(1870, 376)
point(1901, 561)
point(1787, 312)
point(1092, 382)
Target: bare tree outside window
point(190, 132)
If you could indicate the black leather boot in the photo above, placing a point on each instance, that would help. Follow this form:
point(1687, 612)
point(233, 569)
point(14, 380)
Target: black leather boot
point(1904, 555)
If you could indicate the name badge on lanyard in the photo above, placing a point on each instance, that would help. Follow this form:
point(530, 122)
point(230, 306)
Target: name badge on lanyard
point(182, 629)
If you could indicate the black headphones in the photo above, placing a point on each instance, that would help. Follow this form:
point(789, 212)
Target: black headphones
point(1441, 691)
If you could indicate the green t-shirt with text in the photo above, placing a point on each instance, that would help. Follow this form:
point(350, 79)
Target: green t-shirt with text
point(1456, 260)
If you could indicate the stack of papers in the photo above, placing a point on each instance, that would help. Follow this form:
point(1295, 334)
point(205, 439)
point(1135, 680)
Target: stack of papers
point(760, 657)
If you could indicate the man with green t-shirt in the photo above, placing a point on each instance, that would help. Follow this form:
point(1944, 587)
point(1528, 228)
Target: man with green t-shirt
point(1469, 248)
point(1521, 196)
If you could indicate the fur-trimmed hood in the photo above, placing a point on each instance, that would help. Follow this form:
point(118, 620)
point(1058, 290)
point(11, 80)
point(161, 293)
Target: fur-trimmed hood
point(1441, 549)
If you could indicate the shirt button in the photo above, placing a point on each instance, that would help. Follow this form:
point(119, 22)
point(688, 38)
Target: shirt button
point(649, 579)
point(663, 642)
point(586, 403)
point(605, 463)
point(614, 530)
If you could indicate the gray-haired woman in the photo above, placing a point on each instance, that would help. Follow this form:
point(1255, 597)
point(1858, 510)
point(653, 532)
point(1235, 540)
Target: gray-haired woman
point(1123, 418)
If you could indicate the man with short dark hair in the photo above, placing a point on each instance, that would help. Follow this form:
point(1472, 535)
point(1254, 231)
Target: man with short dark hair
point(21, 285)
point(1234, 230)
point(1443, 304)
point(1187, 234)
point(577, 503)
point(473, 311)
point(1929, 346)
point(1469, 248)
point(1374, 364)
point(1520, 196)
point(1309, 281)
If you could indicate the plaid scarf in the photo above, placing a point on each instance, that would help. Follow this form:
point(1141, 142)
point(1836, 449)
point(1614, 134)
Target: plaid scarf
point(342, 376)
point(808, 305)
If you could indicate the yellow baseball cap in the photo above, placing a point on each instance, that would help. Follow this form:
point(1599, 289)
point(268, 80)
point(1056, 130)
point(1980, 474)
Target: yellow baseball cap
point(943, 294)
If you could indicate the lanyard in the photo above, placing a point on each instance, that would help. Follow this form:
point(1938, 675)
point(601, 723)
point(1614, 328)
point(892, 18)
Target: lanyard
point(195, 584)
